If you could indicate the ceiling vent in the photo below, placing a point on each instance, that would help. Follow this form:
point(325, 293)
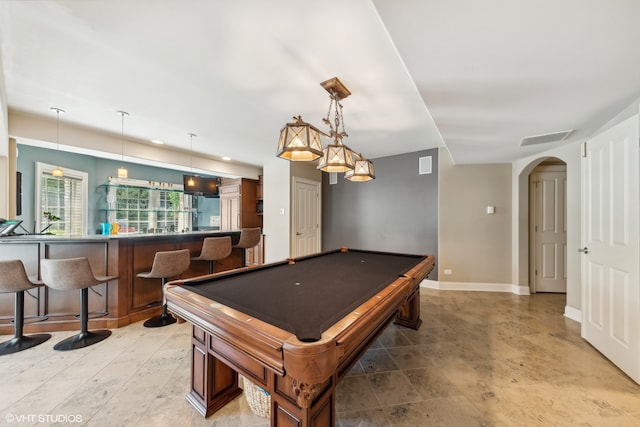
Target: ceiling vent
point(543, 139)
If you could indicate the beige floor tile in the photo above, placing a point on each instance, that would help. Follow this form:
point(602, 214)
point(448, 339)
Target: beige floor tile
point(447, 411)
point(392, 388)
point(479, 359)
point(355, 394)
point(374, 418)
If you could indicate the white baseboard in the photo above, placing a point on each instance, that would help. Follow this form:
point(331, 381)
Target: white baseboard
point(472, 286)
point(569, 312)
point(573, 313)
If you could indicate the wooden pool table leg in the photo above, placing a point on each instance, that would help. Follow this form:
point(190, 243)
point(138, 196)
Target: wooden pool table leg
point(213, 384)
point(285, 412)
point(409, 312)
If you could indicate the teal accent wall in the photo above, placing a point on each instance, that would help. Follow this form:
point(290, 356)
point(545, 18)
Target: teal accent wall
point(98, 170)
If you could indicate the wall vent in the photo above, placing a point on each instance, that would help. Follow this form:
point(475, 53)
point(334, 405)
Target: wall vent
point(424, 165)
point(543, 139)
point(333, 178)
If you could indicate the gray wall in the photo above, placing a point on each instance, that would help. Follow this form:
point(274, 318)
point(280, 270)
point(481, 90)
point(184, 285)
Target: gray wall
point(98, 170)
point(397, 211)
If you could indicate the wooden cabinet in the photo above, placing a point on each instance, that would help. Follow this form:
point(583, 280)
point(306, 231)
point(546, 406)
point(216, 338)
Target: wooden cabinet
point(230, 201)
point(259, 190)
point(255, 255)
point(238, 199)
point(239, 209)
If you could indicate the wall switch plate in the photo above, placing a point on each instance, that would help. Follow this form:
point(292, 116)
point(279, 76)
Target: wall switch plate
point(447, 271)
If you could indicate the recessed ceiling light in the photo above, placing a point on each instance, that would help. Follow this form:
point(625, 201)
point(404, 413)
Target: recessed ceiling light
point(157, 141)
point(226, 158)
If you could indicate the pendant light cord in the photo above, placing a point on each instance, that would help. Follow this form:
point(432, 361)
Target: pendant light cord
point(122, 113)
point(191, 135)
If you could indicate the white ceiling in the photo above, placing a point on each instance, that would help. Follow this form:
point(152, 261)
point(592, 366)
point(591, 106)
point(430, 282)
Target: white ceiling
point(472, 76)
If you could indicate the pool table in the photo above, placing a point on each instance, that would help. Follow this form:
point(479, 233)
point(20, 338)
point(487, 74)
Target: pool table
point(295, 328)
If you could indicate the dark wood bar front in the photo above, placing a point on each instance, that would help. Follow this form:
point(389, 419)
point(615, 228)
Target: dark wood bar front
point(118, 303)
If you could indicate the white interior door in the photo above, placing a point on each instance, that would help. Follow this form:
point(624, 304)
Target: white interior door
point(306, 217)
point(611, 295)
point(549, 185)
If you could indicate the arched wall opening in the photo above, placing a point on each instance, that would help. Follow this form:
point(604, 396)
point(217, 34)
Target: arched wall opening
point(522, 169)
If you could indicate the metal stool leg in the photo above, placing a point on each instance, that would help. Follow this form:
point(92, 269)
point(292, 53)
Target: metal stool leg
point(19, 341)
point(165, 318)
point(85, 337)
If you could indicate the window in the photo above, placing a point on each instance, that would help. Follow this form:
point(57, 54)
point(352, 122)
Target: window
point(65, 200)
point(139, 206)
point(142, 209)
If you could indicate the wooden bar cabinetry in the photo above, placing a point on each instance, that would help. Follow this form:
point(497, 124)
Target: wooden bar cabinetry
point(118, 303)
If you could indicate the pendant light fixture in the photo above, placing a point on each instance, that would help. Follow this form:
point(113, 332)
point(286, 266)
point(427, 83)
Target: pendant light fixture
point(122, 171)
point(191, 182)
point(337, 157)
point(57, 172)
point(300, 141)
point(362, 170)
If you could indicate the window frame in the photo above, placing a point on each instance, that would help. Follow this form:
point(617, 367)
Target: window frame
point(44, 168)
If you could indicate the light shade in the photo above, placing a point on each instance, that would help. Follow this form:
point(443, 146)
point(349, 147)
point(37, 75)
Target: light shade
point(57, 172)
point(362, 170)
point(299, 141)
point(191, 182)
point(122, 172)
point(336, 158)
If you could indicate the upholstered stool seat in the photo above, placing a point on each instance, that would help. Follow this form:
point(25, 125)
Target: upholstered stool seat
point(166, 265)
point(249, 238)
point(13, 278)
point(214, 249)
point(69, 274)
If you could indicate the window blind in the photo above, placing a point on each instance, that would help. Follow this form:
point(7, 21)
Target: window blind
point(63, 198)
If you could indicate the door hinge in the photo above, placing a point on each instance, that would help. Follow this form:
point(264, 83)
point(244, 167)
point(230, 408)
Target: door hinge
point(584, 149)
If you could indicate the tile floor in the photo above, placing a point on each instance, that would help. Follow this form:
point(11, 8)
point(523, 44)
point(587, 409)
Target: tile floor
point(479, 359)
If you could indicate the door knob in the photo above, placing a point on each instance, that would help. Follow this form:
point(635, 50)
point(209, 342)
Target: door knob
point(298, 233)
point(585, 250)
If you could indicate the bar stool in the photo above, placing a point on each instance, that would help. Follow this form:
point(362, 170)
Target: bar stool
point(13, 278)
point(166, 264)
point(75, 273)
point(213, 249)
point(249, 238)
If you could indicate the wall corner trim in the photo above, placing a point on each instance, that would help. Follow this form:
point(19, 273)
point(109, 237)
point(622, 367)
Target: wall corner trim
point(573, 313)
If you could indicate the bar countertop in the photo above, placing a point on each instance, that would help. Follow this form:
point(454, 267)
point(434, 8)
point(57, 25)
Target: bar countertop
point(22, 238)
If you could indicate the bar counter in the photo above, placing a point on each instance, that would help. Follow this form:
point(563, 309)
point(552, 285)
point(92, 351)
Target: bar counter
point(117, 303)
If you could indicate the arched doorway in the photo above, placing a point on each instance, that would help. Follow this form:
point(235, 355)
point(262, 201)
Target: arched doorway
point(547, 227)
